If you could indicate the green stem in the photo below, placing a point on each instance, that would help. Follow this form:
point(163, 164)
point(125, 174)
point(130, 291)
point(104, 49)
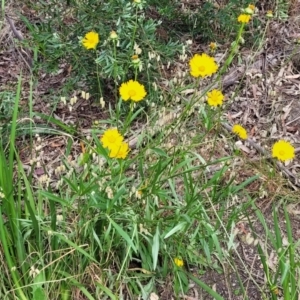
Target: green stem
point(98, 78)
point(127, 121)
point(232, 53)
point(135, 72)
point(115, 60)
point(134, 28)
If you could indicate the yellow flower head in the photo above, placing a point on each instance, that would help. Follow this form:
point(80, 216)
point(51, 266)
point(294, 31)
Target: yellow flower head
point(243, 18)
point(240, 131)
point(215, 98)
point(90, 40)
point(178, 262)
point(202, 65)
point(250, 9)
point(283, 150)
point(111, 138)
point(135, 60)
point(269, 14)
point(132, 90)
point(119, 151)
point(251, 6)
point(213, 46)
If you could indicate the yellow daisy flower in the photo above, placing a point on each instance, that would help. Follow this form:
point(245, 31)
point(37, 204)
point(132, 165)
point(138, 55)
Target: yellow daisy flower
point(213, 46)
point(90, 40)
point(269, 14)
point(240, 131)
point(132, 90)
point(178, 262)
point(111, 138)
point(119, 151)
point(251, 6)
point(243, 18)
point(250, 9)
point(202, 65)
point(283, 150)
point(215, 98)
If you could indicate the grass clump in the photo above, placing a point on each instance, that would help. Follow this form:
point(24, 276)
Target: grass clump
point(151, 195)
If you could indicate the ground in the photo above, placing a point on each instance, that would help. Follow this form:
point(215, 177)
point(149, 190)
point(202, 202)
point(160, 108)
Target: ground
point(267, 104)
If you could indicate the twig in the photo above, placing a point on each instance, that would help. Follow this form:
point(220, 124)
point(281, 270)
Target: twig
point(18, 35)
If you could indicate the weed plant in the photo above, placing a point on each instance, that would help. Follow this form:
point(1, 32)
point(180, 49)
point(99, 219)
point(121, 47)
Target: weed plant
point(128, 214)
point(206, 21)
point(59, 37)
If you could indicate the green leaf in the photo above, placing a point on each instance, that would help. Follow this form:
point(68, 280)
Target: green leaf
point(178, 227)
point(123, 234)
point(241, 186)
point(54, 121)
point(155, 248)
point(54, 198)
point(38, 293)
point(205, 287)
point(160, 152)
point(78, 248)
point(107, 291)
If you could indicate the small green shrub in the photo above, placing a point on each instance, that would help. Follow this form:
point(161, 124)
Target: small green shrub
point(7, 101)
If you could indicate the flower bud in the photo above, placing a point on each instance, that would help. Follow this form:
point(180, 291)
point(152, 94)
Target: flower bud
point(113, 35)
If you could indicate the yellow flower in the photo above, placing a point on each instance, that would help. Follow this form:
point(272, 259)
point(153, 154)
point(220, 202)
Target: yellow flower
point(213, 46)
point(269, 14)
point(135, 59)
point(132, 90)
point(111, 138)
point(178, 262)
point(283, 150)
point(240, 131)
point(202, 65)
point(251, 6)
point(243, 18)
point(215, 98)
point(119, 151)
point(90, 40)
point(139, 194)
point(250, 9)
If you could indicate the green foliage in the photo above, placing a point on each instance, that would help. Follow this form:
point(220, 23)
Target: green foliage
point(207, 21)
point(282, 270)
point(59, 38)
point(7, 100)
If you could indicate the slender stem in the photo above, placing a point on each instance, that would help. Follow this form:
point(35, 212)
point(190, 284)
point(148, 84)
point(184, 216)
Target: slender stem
point(98, 78)
point(233, 52)
point(135, 72)
point(128, 118)
point(115, 59)
point(134, 28)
